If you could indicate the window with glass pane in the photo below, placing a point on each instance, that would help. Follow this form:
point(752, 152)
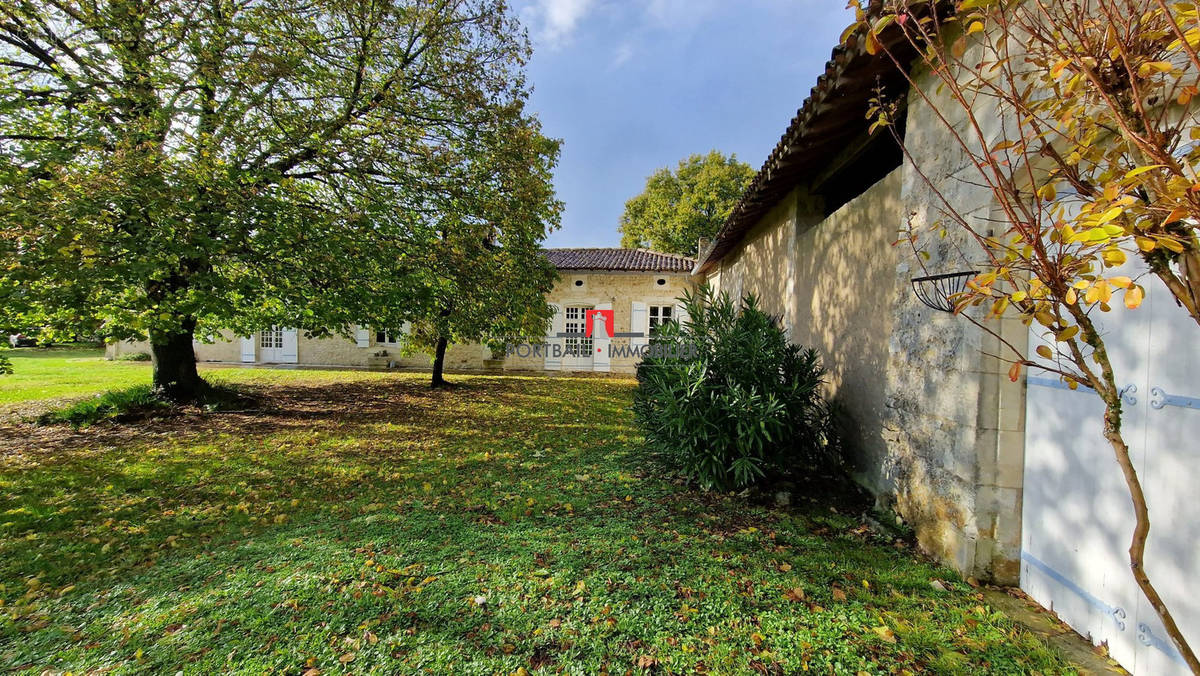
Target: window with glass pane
point(659, 315)
point(576, 344)
point(271, 338)
point(387, 337)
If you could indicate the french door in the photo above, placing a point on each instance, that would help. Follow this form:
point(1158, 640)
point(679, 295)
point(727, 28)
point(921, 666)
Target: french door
point(577, 347)
point(277, 345)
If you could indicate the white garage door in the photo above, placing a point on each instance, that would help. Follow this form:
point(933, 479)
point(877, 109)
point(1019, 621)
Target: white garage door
point(1077, 515)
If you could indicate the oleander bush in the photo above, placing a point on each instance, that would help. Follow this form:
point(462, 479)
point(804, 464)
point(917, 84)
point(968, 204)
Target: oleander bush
point(729, 401)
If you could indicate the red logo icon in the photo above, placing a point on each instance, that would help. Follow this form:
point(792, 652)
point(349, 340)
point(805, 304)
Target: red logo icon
point(606, 316)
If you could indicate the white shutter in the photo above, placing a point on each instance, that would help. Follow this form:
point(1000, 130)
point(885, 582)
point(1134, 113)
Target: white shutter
point(639, 322)
point(601, 340)
point(248, 349)
point(362, 336)
point(681, 315)
point(290, 353)
point(553, 342)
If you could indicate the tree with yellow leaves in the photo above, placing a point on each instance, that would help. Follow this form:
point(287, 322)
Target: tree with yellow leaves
point(1079, 118)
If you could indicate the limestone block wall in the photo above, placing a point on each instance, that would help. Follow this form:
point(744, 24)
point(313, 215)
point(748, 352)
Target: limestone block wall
point(583, 288)
point(953, 423)
point(935, 426)
point(324, 351)
point(764, 264)
point(620, 289)
point(831, 280)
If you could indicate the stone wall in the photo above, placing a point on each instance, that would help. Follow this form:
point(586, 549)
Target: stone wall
point(936, 429)
point(619, 289)
point(828, 279)
point(953, 422)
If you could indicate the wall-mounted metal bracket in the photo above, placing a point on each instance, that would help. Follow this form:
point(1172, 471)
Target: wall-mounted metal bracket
point(1127, 393)
point(1147, 637)
point(1160, 399)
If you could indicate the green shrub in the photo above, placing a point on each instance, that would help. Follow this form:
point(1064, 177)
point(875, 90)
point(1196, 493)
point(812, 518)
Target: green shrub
point(108, 406)
point(6, 367)
point(135, 356)
point(744, 407)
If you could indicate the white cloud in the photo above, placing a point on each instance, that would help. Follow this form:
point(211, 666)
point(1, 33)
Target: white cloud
point(553, 21)
point(623, 54)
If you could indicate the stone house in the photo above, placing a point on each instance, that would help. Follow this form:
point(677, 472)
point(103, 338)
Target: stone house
point(1006, 482)
point(639, 287)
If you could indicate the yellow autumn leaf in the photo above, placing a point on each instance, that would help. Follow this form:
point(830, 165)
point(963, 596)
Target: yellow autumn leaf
point(1045, 352)
point(1110, 215)
point(975, 27)
point(1134, 296)
point(1151, 67)
point(1114, 257)
point(1121, 282)
point(1177, 214)
point(1171, 244)
point(1133, 173)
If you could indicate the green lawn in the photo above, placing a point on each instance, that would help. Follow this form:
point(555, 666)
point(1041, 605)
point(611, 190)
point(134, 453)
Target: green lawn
point(351, 528)
point(53, 373)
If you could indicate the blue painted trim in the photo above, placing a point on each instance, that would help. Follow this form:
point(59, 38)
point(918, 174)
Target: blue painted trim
point(1116, 613)
point(1162, 399)
point(1146, 637)
point(1126, 393)
point(1054, 383)
point(1145, 634)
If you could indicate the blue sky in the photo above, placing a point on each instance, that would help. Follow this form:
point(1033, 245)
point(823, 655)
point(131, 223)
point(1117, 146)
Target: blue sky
point(635, 85)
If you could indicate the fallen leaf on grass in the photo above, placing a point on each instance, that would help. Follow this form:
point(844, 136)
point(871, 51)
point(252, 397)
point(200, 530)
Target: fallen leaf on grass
point(347, 658)
point(838, 594)
point(885, 633)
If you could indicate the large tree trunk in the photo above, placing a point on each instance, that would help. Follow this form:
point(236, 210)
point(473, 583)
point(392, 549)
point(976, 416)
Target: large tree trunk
point(439, 363)
point(174, 361)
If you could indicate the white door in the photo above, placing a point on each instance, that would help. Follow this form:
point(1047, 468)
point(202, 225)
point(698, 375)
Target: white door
point(1077, 515)
point(602, 339)
point(278, 345)
point(577, 347)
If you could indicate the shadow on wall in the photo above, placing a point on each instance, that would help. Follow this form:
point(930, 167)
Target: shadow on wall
point(845, 278)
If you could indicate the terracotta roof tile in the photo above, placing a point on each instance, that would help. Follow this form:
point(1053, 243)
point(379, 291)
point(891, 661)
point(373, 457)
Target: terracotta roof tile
point(833, 113)
point(633, 260)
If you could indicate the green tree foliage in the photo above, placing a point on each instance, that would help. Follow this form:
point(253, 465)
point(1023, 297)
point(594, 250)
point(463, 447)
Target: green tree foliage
point(173, 168)
point(484, 283)
point(679, 207)
point(746, 407)
point(5, 364)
